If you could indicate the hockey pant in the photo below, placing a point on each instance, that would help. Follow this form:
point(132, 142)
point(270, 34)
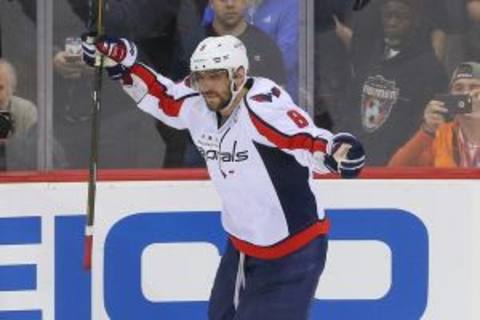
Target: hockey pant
point(281, 289)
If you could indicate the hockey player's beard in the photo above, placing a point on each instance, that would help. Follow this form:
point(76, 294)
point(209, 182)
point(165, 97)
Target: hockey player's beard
point(220, 103)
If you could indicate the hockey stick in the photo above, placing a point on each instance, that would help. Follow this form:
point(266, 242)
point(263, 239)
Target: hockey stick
point(95, 26)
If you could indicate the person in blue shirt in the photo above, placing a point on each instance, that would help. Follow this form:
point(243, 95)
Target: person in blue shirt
point(278, 19)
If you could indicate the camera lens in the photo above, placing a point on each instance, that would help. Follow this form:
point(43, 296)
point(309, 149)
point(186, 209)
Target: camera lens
point(6, 124)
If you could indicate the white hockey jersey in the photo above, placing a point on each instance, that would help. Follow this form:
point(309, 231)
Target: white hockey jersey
point(260, 159)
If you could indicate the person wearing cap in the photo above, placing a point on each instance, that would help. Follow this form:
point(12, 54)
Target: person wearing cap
point(448, 144)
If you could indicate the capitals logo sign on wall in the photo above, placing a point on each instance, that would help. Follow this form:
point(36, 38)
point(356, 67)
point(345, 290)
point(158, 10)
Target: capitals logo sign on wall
point(127, 248)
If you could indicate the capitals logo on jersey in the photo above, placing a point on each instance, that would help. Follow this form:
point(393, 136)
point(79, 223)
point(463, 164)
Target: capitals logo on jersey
point(232, 155)
point(209, 148)
point(267, 97)
point(379, 96)
point(262, 148)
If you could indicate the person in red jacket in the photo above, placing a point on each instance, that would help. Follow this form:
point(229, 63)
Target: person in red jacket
point(445, 143)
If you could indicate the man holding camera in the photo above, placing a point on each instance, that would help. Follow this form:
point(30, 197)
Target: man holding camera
point(450, 134)
point(17, 115)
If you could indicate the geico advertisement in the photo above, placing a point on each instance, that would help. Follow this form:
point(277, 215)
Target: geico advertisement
point(399, 250)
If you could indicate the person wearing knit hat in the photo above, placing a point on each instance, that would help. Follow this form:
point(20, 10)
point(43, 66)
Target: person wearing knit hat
point(448, 143)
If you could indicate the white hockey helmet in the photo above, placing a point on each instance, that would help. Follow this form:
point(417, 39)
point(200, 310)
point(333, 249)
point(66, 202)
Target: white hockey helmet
point(224, 52)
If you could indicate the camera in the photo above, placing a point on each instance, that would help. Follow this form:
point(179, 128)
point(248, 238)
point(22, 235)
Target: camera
point(6, 124)
point(455, 104)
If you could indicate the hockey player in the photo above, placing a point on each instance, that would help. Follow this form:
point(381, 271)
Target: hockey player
point(261, 151)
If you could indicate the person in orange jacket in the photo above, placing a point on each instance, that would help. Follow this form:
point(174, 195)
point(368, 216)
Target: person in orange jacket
point(450, 134)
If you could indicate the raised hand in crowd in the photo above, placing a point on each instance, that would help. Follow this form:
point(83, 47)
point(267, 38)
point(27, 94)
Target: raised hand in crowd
point(434, 116)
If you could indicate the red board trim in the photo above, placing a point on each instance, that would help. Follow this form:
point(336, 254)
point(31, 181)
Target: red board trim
point(201, 174)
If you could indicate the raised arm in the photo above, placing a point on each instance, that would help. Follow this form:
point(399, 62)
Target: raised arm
point(153, 93)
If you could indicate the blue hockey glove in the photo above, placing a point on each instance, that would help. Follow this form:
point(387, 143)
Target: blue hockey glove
point(349, 165)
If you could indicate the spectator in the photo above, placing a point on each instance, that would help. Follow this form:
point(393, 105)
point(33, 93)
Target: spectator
point(265, 56)
point(280, 19)
point(19, 44)
point(332, 70)
point(435, 14)
point(17, 115)
point(73, 105)
point(231, 17)
point(367, 25)
point(445, 143)
point(472, 37)
point(464, 32)
point(392, 83)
